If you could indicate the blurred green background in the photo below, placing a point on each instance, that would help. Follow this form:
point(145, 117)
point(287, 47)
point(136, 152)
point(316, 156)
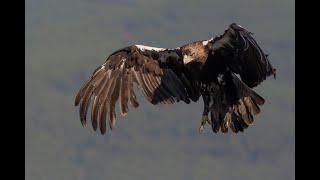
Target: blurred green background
point(67, 39)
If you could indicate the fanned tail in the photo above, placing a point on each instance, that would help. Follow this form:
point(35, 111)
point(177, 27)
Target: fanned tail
point(239, 115)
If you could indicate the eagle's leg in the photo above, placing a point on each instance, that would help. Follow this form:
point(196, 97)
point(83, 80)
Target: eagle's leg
point(205, 118)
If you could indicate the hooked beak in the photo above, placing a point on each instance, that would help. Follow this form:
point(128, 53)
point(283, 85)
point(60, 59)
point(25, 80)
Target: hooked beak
point(187, 59)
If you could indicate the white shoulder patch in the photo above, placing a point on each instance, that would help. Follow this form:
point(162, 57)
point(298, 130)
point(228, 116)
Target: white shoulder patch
point(143, 48)
point(207, 41)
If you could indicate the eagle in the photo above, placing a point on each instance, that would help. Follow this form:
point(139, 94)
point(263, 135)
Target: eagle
point(222, 70)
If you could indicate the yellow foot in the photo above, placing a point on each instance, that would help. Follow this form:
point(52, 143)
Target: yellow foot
point(204, 120)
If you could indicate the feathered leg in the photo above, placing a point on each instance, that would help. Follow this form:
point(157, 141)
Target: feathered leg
point(205, 118)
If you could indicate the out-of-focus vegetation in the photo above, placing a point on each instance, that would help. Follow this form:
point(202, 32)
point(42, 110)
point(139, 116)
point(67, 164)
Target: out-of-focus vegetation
point(67, 39)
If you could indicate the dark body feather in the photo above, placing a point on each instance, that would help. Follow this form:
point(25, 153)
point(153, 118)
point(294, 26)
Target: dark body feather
point(165, 76)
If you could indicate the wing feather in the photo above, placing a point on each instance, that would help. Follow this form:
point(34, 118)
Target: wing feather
point(165, 94)
point(103, 116)
point(84, 105)
point(133, 100)
point(155, 84)
point(113, 100)
point(81, 92)
point(91, 82)
point(113, 81)
point(98, 92)
point(124, 93)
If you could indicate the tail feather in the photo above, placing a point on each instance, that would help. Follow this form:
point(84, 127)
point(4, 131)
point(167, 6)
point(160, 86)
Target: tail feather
point(237, 115)
point(257, 98)
point(239, 119)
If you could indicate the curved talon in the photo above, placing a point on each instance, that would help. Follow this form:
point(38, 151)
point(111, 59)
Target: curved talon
point(204, 120)
point(201, 128)
point(209, 121)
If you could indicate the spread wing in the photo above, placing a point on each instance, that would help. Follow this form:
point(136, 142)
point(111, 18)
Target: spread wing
point(160, 81)
point(243, 55)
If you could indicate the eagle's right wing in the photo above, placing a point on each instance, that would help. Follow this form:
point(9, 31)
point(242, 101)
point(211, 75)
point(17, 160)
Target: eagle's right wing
point(159, 81)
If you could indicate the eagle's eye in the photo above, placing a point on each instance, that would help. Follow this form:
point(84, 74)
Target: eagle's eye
point(187, 52)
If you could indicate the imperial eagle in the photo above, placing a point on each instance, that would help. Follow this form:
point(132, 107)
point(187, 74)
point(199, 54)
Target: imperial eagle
point(222, 70)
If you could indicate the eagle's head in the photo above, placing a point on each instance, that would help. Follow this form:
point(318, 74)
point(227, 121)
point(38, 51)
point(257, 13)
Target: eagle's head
point(195, 51)
point(188, 56)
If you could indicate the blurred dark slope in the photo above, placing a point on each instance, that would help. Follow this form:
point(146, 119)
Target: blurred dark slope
point(66, 40)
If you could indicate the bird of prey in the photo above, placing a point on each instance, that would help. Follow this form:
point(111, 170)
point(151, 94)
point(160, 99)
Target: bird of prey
point(222, 70)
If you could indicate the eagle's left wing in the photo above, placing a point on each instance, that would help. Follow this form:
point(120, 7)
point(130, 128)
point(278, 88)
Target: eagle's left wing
point(239, 50)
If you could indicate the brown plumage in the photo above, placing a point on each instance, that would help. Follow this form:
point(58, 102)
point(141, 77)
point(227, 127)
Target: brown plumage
point(197, 51)
point(206, 68)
